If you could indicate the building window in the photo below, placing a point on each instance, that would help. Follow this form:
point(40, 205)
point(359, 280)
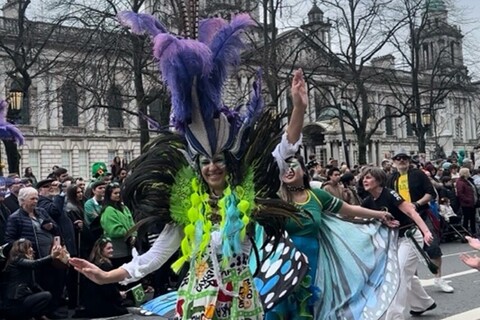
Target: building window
point(388, 122)
point(321, 154)
point(409, 128)
point(426, 58)
point(33, 162)
point(69, 100)
point(111, 154)
point(128, 155)
point(83, 164)
point(115, 104)
point(67, 160)
point(452, 51)
point(459, 128)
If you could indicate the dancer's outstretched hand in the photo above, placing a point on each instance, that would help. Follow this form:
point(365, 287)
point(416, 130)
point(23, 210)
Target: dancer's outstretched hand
point(89, 270)
point(473, 242)
point(299, 90)
point(471, 261)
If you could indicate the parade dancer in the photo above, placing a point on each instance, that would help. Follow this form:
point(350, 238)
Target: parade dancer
point(382, 198)
point(353, 266)
point(211, 182)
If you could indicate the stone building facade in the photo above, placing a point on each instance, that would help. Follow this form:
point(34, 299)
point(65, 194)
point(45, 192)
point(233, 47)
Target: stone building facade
point(58, 133)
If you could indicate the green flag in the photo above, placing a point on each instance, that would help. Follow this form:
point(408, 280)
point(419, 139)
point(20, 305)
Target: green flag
point(138, 294)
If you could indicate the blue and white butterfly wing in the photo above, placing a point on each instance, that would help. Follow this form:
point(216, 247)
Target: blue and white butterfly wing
point(279, 272)
point(163, 305)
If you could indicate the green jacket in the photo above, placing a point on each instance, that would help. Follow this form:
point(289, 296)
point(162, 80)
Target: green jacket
point(116, 223)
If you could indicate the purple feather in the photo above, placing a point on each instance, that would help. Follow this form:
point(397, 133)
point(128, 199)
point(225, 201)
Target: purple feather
point(181, 60)
point(152, 124)
point(8, 131)
point(226, 46)
point(141, 23)
point(208, 28)
point(255, 105)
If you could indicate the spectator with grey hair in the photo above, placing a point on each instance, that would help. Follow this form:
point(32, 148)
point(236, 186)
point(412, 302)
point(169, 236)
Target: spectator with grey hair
point(31, 223)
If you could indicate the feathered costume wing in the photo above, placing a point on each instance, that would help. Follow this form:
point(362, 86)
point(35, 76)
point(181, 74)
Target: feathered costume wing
point(164, 185)
point(8, 131)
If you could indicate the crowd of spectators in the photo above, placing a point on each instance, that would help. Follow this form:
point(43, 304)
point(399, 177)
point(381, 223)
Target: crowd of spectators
point(91, 221)
point(43, 222)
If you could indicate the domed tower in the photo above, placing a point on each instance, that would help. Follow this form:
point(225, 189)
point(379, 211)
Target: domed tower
point(316, 27)
point(441, 43)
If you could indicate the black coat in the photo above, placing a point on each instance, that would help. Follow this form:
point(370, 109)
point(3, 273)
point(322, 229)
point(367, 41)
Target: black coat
point(55, 209)
point(12, 202)
point(19, 225)
point(19, 277)
point(103, 300)
point(418, 184)
point(4, 214)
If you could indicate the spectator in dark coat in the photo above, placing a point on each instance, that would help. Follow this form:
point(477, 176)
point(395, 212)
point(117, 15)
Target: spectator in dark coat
point(31, 223)
point(4, 214)
point(50, 200)
point(24, 297)
point(467, 196)
point(11, 201)
point(30, 176)
point(447, 190)
point(103, 300)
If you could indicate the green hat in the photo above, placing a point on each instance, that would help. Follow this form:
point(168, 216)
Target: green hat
point(99, 169)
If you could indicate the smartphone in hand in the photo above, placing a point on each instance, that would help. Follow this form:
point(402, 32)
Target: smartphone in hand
point(56, 241)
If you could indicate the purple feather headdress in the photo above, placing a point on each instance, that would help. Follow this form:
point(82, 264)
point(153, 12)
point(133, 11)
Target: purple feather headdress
point(8, 131)
point(195, 72)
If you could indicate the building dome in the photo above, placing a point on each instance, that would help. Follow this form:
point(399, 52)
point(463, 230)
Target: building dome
point(315, 14)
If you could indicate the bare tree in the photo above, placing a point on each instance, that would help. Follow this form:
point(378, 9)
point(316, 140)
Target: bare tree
point(362, 30)
point(27, 47)
point(432, 72)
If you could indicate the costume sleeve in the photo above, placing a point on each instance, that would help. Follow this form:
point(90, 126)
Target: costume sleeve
point(285, 150)
point(162, 249)
point(328, 202)
point(112, 224)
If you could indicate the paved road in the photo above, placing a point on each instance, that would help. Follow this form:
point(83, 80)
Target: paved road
point(463, 304)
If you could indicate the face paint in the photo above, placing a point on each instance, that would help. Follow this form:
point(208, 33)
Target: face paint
point(293, 164)
point(218, 160)
point(294, 167)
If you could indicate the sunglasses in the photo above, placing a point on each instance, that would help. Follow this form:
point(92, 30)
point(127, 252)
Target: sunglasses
point(105, 240)
point(401, 158)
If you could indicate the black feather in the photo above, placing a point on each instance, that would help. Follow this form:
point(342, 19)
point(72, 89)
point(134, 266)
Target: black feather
point(147, 189)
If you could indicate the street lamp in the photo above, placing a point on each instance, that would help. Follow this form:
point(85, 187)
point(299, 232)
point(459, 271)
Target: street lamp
point(412, 115)
point(15, 96)
point(426, 119)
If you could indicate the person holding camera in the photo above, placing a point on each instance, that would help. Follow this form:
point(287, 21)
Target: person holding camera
point(24, 297)
point(34, 223)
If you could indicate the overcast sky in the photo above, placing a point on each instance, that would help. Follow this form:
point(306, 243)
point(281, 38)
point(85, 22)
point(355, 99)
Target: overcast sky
point(466, 15)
